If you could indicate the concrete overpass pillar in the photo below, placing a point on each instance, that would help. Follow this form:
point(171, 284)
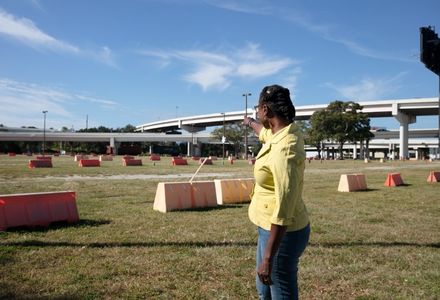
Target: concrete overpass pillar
point(404, 121)
point(354, 150)
point(189, 149)
point(114, 145)
point(150, 149)
point(403, 141)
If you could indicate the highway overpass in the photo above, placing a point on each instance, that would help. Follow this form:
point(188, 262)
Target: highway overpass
point(386, 141)
point(405, 111)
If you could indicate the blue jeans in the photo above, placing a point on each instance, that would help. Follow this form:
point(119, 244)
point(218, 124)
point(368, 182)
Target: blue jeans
point(284, 264)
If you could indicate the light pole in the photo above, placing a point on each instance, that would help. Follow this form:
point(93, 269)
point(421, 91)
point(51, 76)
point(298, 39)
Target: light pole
point(44, 132)
point(223, 138)
point(245, 127)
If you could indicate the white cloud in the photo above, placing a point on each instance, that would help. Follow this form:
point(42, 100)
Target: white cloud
point(328, 32)
point(22, 103)
point(104, 55)
point(25, 31)
point(210, 76)
point(211, 70)
point(368, 88)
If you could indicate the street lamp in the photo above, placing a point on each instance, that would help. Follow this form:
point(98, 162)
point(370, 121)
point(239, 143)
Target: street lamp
point(44, 132)
point(245, 128)
point(223, 138)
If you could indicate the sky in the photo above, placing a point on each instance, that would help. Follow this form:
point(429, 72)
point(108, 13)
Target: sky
point(112, 63)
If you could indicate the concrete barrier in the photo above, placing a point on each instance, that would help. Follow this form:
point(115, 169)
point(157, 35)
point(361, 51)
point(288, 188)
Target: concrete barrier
point(251, 161)
point(178, 161)
point(207, 162)
point(154, 157)
point(131, 162)
point(433, 177)
point(89, 163)
point(393, 179)
point(105, 158)
point(184, 195)
point(40, 163)
point(37, 209)
point(352, 183)
point(11, 154)
point(44, 157)
point(229, 191)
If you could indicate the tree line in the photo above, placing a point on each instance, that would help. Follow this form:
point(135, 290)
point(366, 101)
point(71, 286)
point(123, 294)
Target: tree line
point(339, 122)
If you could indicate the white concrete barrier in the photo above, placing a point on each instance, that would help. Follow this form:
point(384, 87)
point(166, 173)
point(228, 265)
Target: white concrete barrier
point(230, 191)
point(184, 195)
point(352, 183)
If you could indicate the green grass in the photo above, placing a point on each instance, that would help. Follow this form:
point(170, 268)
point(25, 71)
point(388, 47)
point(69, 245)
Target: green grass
point(379, 244)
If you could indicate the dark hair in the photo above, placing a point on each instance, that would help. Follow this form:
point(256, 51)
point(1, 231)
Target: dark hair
point(277, 98)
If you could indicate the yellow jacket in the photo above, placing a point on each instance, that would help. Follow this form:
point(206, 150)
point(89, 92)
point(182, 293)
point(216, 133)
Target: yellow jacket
point(279, 175)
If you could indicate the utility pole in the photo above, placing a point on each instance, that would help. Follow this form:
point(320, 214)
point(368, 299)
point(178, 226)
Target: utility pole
point(245, 127)
point(223, 138)
point(44, 132)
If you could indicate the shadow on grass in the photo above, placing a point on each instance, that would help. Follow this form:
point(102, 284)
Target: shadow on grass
point(60, 225)
point(152, 244)
point(11, 295)
point(374, 244)
point(208, 244)
point(218, 207)
point(370, 190)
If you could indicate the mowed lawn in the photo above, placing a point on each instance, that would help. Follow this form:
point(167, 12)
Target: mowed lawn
point(383, 243)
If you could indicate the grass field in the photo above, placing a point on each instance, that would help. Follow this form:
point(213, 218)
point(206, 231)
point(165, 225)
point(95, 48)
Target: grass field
point(383, 243)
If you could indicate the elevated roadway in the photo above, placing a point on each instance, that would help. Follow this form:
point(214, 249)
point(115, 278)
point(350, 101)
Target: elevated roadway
point(405, 111)
point(383, 140)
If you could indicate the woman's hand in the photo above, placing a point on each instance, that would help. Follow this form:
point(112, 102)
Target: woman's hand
point(247, 121)
point(264, 271)
point(253, 124)
point(265, 268)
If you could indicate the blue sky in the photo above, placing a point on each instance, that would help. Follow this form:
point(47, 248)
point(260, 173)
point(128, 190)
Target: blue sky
point(138, 61)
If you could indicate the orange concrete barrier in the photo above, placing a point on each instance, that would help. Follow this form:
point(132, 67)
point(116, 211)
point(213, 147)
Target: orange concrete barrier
point(105, 158)
point(89, 163)
point(40, 163)
point(11, 154)
point(127, 157)
point(132, 162)
point(154, 157)
point(178, 161)
point(393, 179)
point(184, 195)
point(352, 183)
point(44, 157)
point(230, 191)
point(207, 162)
point(37, 209)
point(433, 176)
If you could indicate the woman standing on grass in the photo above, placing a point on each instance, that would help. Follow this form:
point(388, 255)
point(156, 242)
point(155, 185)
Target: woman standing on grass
point(277, 207)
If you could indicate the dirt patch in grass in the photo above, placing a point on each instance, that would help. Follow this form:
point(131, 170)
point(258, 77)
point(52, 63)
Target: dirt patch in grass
point(132, 177)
